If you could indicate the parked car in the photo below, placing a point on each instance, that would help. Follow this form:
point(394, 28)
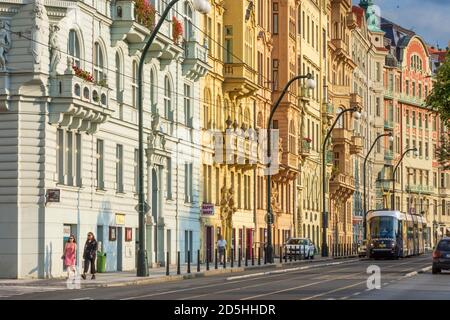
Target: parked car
point(362, 248)
point(441, 256)
point(300, 247)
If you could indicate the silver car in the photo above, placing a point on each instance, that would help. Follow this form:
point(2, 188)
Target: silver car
point(302, 247)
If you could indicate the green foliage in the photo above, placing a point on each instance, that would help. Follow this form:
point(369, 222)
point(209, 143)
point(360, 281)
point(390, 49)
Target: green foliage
point(443, 153)
point(439, 98)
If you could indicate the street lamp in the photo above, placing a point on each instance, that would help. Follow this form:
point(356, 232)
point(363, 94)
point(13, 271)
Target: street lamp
point(356, 115)
point(393, 175)
point(310, 84)
point(391, 138)
point(202, 6)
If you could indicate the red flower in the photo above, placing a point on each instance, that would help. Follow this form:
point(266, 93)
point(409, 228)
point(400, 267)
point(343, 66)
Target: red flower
point(309, 140)
point(177, 29)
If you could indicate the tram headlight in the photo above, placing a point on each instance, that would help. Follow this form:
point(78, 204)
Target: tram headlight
point(393, 244)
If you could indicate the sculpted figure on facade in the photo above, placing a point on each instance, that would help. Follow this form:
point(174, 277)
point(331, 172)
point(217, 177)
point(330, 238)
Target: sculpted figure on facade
point(55, 52)
point(5, 43)
point(36, 30)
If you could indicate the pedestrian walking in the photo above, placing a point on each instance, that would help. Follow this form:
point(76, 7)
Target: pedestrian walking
point(221, 245)
point(69, 256)
point(89, 255)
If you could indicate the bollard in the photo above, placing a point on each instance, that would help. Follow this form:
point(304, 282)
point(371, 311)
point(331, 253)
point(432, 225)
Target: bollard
point(215, 256)
point(253, 257)
point(296, 253)
point(281, 254)
point(167, 264)
point(207, 259)
point(198, 260)
point(259, 256)
point(224, 258)
point(265, 255)
point(304, 252)
point(240, 257)
point(290, 254)
point(189, 262)
point(232, 258)
point(285, 254)
point(246, 257)
point(178, 263)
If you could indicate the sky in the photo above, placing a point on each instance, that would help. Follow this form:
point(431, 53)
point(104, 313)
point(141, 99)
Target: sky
point(428, 18)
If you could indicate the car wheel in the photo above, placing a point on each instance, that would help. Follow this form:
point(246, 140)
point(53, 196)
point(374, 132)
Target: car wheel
point(435, 270)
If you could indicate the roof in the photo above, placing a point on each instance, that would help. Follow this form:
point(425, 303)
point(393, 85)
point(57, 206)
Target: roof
point(359, 12)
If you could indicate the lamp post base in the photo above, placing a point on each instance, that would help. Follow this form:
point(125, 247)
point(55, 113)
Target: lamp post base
point(324, 250)
point(269, 253)
point(142, 266)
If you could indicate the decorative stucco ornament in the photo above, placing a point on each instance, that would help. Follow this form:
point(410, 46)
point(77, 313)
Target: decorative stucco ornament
point(5, 43)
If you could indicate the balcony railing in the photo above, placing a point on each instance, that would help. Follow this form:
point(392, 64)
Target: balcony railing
point(423, 189)
point(195, 64)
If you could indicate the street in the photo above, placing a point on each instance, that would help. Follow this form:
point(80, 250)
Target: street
point(407, 278)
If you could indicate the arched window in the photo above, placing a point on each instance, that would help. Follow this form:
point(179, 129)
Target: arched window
point(188, 30)
point(134, 86)
point(153, 90)
point(74, 48)
point(292, 140)
point(98, 63)
point(340, 123)
point(118, 77)
point(219, 120)
point(168, 114)
point(207, 110)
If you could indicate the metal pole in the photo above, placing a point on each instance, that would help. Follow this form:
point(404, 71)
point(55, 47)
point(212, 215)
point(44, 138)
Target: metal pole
point(178, 263)
point(167, 264)
point(198, 260)
point(189, 262)
point(207, 259)
point(269, 154)
point(142, 268)
point(393, 176)
point(365, 183)
point(324, 183)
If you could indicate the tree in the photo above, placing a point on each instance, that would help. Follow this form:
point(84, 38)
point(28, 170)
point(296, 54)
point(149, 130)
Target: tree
point(439, 98)
point(443, 152)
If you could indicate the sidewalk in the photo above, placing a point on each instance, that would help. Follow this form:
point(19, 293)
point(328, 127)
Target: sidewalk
point(158, 275)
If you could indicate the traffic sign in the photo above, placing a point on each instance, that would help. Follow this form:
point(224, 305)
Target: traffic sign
point(146, 207)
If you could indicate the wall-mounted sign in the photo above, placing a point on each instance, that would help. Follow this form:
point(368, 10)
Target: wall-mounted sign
point(53, 195)
point(120, 219)
point(207, 209)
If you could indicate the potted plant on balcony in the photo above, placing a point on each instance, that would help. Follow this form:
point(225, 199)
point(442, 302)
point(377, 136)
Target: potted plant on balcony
point(145, 13)
point(177, 29)
point(85, 75)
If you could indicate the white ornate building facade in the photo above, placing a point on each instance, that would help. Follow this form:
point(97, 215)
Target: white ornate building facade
point(68, 121)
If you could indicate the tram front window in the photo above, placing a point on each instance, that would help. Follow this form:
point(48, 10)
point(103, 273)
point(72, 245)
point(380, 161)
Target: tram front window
point(383, 227)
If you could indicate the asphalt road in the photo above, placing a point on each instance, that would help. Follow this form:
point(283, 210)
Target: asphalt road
point(347, 280)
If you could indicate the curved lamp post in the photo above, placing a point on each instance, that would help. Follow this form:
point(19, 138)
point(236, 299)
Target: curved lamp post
point(393, 175)
point(310, 84)
point(357, 115)
point(202, 6)
point(391, 138)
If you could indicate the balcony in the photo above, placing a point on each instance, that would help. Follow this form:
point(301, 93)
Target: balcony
point(388, 125)
point(389, 155)
point(195, 64)
point(78, 104)
point(304, 93)
point(341, 136)
point(421, 189)
point(240, 80)
point(328, 110)
point(357, 144)
point(409, 99)
point(356, 101)
point(127, 24)
point(305, 148)
point(342, 186)
point(389, 94)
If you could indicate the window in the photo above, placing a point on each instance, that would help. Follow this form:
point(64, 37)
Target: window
point(340, 123)
point(414, 89)
point(119, 168)
point(206, 110)
point(407, 87)
point(118, 78)
point(239, 190)
point(187, 106)
point(378, 107)
point(228, 44)
point(219, 41)
point(426, 121)
point(303, 24)
point(136, 170)
point(74, 48)
point(434, 151)
point(100, 165)
point(217, 184)
point(78, 166)
point(188, 30)
point(207, 184)
point(426, 150)
point(98, 63)
point(188, 183)
point(435, 179)
point(292, 140)
point(420, 119)
point(442, 180)
point(168, 113)
point(420, 90)
point(312, 36)
point(69, 158)
point(420, 149)
point(134, 85)
point(308, 28)
point(169, 179)
point(275, 23)
point(152, 90)
point(249, 47)
point(60, 155)
point(407, 118)
point(414, 118)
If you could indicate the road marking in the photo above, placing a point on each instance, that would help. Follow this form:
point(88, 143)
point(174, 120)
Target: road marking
point(333, 291)
point(290, 270)
point(84, 298)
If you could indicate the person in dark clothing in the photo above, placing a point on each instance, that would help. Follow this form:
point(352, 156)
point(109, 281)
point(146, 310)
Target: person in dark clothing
point(89, 255)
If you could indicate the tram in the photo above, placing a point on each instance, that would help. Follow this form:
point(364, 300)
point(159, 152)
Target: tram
point(395, 234)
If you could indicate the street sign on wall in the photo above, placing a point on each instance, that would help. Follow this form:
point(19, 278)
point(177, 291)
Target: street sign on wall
point(53, 195)
point(207, 209)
